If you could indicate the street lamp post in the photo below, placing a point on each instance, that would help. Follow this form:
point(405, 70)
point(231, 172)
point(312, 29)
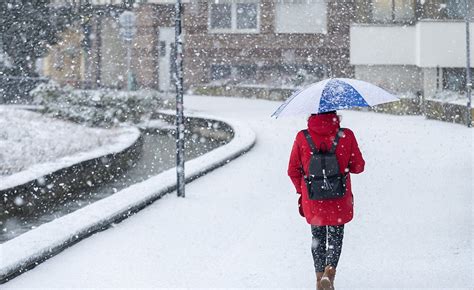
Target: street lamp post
point(468, 67)
point(127, 31)
point(178, 76)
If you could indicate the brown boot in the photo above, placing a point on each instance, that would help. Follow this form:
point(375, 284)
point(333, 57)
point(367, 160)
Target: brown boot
point(327, 281)
point(319, 275)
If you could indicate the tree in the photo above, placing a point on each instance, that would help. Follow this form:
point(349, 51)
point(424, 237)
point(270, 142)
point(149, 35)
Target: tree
point(27, 28)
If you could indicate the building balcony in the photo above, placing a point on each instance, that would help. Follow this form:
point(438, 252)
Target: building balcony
point(428, 43)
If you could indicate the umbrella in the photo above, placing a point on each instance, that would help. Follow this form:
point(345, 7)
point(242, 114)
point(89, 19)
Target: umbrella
point(333, 94)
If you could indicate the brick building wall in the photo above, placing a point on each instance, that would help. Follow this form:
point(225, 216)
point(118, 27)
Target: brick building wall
point(258, 57)
point(265, 51)
point(150, 17)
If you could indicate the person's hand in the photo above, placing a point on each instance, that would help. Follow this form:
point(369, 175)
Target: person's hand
point(300, 206)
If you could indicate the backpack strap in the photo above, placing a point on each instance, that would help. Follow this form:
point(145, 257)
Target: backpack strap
point(310, 142)
point(336, 140)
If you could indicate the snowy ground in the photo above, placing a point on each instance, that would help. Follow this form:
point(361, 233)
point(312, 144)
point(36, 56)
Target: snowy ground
point(239, 225)
point(28, 138)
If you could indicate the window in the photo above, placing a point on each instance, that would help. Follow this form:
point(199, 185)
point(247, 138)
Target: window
point(315, 71)
point(388, 11)
point(246, 73)
point(162, 48)
point(221, 16)
point(382, 10)
point(58, 60)
point(454, 79)
point(455, 9)
point(220, 72)
point(234, 16)
point(404, 10)
point(445, 9)
point(308, 16)
point(246, 16)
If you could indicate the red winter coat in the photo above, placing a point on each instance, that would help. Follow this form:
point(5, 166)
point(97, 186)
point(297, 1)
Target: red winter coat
point(323, 129)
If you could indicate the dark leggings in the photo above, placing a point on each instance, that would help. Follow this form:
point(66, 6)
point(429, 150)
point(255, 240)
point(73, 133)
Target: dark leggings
point(326, 246)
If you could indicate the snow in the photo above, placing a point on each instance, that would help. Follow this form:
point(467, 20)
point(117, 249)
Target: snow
point(239, 225)
point(269, 86)
point(452, 98)
point(33, 145)
point(157, 124)
point(4, 59)
point(48, 237)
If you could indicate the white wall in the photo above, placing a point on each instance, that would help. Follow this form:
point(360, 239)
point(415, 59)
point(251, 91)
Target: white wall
point(382, 45)
point(443, 44)
point(394, 78)
point(427, 44)
point(429, 81)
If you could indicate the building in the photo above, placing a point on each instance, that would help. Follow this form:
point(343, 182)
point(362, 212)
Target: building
point(411, 46)
point(258, 42)
point(266, 42)
point(91, 53)
point(65, 61)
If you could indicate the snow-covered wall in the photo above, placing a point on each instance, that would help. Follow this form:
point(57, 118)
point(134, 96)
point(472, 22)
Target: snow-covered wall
point(39, 244)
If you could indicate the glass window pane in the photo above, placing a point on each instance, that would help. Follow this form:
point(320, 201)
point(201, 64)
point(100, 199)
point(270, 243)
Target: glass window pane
point(308, 16)
point(454, 79)
point(246, 16)
point(221, 16)
point(404, 10)
point(455, 9)
point(247, 73)
point(162, 48)
point(382, 10)
point(220, 72)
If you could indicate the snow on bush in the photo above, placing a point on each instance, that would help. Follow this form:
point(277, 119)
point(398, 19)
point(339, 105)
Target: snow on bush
point(451, 97)
point(28, 138)
point(103, 107)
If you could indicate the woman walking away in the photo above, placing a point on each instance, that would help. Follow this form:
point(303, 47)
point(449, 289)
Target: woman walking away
point(322, 158)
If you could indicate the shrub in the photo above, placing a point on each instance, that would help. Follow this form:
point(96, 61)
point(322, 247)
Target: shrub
point(101, 108)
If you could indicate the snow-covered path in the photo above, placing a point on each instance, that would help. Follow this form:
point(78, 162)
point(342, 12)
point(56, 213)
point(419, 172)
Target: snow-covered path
point(239, 225)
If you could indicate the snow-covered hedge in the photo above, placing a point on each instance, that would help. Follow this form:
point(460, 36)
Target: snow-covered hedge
point(102, 108)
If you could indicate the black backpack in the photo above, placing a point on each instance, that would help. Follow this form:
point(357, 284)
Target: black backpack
point(323, 179)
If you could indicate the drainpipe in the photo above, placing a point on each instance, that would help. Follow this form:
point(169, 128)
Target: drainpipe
point(98, 41)
point(468, 68)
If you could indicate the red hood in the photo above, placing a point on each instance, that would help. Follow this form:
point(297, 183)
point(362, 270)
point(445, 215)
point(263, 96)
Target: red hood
point(326, 124)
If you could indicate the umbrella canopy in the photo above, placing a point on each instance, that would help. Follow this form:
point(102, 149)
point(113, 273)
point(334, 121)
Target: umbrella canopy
point(333, 94)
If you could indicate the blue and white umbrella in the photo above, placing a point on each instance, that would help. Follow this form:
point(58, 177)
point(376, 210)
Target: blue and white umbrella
point(333, 94)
